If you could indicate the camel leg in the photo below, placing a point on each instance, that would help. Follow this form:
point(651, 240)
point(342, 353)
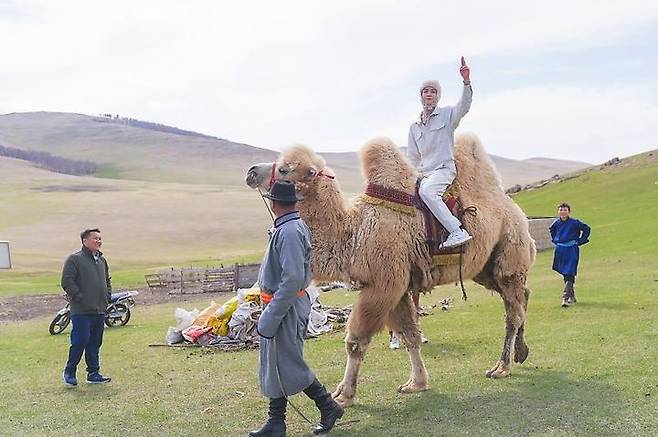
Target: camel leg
point(521, 349)
point(513, 293)
point(356, 350)
point(367, 318)
point(404, 320)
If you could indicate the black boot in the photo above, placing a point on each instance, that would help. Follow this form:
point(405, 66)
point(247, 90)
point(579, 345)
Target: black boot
point(276, 422)
point(565, 297)
point(571, 292)
point(330, 411)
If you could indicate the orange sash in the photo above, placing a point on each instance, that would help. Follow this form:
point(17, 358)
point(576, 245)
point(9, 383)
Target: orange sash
point(266, 297)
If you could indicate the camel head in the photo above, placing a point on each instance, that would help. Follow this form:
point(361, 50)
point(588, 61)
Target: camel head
point(298, 164)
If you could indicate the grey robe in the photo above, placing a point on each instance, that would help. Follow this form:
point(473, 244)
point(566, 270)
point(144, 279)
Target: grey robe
point(286, 269)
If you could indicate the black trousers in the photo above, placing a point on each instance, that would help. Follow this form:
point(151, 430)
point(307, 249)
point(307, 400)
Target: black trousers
point(569, 278)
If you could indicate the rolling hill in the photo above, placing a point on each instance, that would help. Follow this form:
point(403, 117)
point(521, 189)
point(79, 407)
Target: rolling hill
point(162, 198)
point(150, 152)
point(619, 202)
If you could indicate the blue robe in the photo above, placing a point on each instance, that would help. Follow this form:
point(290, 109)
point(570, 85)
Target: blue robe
point(286, 269)
point(567, 236)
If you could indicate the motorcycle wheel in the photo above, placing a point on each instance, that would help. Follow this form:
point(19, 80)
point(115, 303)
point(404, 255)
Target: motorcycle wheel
point(125, 316)
point(59, 323)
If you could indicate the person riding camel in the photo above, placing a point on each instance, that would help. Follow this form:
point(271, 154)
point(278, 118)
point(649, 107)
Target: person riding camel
point(431, 142)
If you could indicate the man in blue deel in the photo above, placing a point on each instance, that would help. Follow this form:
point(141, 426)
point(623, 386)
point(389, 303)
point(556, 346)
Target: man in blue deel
point(568, 234)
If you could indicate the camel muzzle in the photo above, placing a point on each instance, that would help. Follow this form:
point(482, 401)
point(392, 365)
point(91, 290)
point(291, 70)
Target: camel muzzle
point(252, 177)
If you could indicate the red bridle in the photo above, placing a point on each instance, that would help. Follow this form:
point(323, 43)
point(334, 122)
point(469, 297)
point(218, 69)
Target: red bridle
point(318, 175)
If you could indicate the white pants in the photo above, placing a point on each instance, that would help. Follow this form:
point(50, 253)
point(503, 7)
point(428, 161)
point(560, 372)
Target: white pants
point(431, 191)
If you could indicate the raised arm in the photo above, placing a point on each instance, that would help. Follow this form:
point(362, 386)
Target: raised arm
point(464, 103)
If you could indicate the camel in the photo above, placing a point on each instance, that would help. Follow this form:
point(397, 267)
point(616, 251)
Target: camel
point(385, 251)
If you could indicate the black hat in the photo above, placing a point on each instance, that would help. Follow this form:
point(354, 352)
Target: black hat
point(282, 191)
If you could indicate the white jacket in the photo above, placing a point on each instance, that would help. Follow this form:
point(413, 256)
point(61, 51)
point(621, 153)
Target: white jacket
point(430, 145)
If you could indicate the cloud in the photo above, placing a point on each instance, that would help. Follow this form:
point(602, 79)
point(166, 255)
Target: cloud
point(271, 73)
point(580, 123)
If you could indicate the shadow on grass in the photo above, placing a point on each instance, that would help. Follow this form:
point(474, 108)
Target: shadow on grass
point(531, 402)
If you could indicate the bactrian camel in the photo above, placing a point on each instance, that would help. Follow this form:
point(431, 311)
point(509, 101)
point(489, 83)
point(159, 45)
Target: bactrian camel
point(385, 250)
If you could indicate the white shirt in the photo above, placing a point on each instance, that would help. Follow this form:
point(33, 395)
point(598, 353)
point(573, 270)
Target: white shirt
point(431, 144)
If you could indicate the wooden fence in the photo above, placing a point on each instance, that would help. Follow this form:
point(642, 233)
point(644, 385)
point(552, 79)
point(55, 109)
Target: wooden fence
point(207, 279)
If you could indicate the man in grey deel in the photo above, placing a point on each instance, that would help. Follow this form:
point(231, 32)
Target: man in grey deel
point(284, 275)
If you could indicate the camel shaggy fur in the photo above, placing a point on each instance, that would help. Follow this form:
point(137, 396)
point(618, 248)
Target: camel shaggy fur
point(384, 250)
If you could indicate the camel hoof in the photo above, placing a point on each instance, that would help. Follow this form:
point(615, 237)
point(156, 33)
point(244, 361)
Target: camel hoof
point(492, 370)
point(412, 387)
point(344, 401)
point(500, 373)
point(500, 370)
point(521, 353)
point(341, 397)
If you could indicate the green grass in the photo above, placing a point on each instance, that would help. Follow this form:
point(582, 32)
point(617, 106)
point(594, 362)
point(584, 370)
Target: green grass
point(16, 283)
point(146, 225)
point(109, 171)
point(620, 204)
point(591, 370)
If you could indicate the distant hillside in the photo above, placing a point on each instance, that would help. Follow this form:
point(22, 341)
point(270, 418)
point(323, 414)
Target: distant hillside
point(127, 121)
point(619, 200)
point(126, 148)
point(50, 162)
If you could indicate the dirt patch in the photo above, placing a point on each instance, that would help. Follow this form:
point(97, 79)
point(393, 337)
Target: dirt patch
point(75, 188)
point(19, 308)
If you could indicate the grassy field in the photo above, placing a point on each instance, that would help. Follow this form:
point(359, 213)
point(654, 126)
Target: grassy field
point(591, 369)
point(146, 225)
point(620, 203)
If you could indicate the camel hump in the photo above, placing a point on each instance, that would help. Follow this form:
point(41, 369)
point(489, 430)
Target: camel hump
point(473, 160)
point(469, 143)
point(383, 163)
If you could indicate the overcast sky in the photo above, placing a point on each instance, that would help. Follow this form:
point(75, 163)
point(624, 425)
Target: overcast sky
point(563, 79)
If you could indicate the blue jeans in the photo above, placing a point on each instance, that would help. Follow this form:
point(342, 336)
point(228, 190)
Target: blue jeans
point(87, 337)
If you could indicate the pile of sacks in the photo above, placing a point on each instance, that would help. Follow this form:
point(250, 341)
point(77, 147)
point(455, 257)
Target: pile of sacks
point(232, 325)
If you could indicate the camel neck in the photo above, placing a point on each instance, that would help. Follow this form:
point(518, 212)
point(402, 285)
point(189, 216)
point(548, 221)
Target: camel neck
point(324, 211)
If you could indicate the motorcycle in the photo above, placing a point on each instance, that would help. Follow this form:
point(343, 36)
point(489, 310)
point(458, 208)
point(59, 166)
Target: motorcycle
point(116, 314)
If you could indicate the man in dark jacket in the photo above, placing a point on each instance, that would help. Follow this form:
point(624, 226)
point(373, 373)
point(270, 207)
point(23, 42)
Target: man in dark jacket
point(86, 280)
point(284, 275)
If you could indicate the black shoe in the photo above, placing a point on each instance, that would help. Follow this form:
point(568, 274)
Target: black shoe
point(270, 429)
point(276, 422)
point(330, 410)
point(69, 379)
point(328, 418)
point(565, 300)
point(97, 378)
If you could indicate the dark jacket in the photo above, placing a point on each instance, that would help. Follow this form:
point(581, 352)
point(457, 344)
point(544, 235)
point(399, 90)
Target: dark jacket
point(87, 282)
